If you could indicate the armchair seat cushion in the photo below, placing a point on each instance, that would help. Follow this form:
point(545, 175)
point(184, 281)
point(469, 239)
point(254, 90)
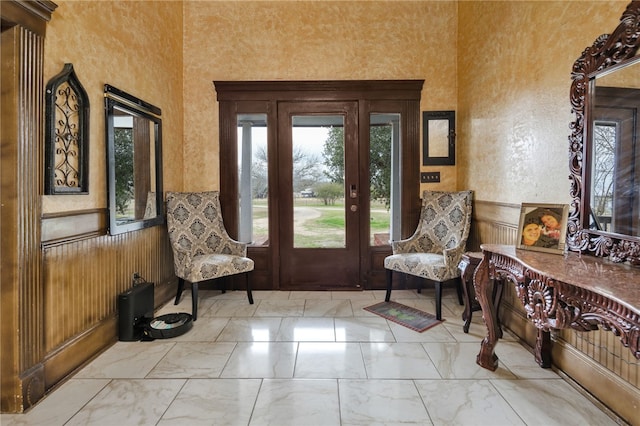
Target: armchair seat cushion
point(210, 266)
point(425, 265)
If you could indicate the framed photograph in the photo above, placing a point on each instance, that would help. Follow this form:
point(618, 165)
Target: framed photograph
point(543, 227)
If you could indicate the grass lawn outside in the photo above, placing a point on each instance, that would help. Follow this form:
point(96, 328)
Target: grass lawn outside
point(317, 224)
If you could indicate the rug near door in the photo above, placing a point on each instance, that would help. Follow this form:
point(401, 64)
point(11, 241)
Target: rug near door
point(407, 316)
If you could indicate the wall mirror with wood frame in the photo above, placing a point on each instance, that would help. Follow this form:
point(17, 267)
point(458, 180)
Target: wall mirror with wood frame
point(604, 158)
point(134, 153)
point(438, 138)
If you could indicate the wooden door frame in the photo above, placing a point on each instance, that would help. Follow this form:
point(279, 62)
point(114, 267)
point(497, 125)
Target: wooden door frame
point(236, 97)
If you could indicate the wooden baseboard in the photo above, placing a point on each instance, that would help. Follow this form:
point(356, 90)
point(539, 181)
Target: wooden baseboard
point(614, 393)
point(76, 353)
point(79, 351)
point(604, 387)
point(32, 385)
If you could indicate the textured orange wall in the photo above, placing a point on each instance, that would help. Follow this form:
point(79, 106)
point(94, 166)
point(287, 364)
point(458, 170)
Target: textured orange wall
point(503, 66)
point(514, 76)
point(135, 46)
point(319, 40)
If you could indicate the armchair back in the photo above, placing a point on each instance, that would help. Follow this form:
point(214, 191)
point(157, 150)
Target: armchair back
point(195, 226)
point(445, 220)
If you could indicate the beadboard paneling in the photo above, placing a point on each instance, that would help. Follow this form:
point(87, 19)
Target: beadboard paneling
point(493, 223)
point(83, 278)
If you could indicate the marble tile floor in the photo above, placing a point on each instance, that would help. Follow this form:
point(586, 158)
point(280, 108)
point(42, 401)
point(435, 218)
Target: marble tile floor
point(313, 358)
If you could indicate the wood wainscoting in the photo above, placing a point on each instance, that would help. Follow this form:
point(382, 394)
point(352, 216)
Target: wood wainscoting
point(61, 273)
point(596, 360)
point(83, 275)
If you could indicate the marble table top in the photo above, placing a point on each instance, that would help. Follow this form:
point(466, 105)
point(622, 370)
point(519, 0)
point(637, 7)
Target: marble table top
point(616, 281)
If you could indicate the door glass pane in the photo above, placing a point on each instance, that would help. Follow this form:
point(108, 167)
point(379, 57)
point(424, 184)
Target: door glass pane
point(318, 181)
point(384, 192)
point(253, 185)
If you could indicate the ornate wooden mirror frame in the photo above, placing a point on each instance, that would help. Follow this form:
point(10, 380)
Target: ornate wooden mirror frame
point(606, 51)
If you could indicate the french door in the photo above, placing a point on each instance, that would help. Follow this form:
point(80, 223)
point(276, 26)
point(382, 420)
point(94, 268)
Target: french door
point(319, 234)
point(318, 176)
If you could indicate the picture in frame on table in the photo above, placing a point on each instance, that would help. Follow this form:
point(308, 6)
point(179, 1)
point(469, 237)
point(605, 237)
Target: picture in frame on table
point(543, 227)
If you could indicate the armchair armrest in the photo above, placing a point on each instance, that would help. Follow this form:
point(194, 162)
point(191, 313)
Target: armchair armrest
point(181, 261)
point(417, 243)
point(452, 256)
point(408, 245)
point(236, 247)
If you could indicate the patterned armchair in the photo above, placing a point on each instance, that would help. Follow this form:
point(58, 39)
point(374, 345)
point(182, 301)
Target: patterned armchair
point(436, 248)
point(202, 249)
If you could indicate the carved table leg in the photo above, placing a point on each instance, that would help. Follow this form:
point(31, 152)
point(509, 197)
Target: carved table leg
point(467, 266)
point(486, 358)
point(543, 348)
point(467, 276)
point(498, 288)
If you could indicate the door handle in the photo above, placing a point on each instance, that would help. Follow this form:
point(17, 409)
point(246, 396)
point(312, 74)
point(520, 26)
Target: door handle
point(353, 193)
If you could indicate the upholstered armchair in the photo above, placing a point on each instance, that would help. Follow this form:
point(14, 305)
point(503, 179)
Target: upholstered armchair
point(202, 249)
point(435, 249)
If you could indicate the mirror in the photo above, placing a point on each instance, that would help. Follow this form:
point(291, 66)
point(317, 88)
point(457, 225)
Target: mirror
point(439, 138)
point(614, 197)
point(134, 152)
point(604, 151)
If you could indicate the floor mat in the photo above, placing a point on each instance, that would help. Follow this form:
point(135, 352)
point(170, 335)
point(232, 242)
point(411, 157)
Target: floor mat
point(407, 316)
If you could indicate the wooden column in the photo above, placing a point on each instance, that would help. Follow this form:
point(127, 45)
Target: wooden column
point(21, 173)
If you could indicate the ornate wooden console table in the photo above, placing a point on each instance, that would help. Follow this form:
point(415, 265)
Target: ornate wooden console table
point(559, 291)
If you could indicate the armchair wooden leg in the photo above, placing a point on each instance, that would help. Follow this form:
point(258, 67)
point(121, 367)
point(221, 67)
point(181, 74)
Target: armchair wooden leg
point(459, 289)
point(389, 284)
point(180, 288)
point(194, 301)
point(438, 300)
point(249, 294)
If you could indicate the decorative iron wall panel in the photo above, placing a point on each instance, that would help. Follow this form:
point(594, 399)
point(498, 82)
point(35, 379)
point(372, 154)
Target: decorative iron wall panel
point(67, 135)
